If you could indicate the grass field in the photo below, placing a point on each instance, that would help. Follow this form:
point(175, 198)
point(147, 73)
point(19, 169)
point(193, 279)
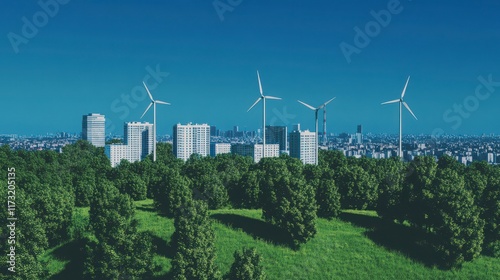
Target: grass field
point(358, 245)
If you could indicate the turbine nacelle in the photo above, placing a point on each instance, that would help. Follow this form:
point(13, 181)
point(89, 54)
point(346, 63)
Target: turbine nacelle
point(262, 96)
point(152, 100)
point(401, 100)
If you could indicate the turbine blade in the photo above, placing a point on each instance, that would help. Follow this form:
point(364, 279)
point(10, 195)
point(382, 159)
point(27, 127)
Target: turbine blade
point(392, 101)
point(272, 97)
point(408, 107)
point(328, 101)
point(404, 90)
point(150, 104)
point(149, 93)
point(254, 104)
point(307, 105)
point(260, 84)
point(162, 102)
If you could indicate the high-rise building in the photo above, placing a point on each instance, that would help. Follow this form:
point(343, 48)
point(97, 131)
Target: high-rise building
point(277, 135)
point(359, 135)
point(139, 136)
point(303, 146)
point(191, 139)
point(138, 143)
point(255, 150)
point(213, 130)
point(93, 129)
point(219, 148)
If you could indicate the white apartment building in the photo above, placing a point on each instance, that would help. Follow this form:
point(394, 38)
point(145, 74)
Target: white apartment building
point(191, 139)
point(93, 129)
point(138, 144)
point(303, 146)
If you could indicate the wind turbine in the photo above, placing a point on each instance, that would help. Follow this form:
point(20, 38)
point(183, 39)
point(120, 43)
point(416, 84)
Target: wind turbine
point(153, 103)
point(263, 98)
point(316, 116)
point(401, 103)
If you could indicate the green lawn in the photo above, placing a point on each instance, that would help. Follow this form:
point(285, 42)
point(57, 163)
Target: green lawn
point(355, 246)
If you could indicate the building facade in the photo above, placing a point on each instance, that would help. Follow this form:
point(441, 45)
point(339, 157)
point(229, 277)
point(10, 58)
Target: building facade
point(277, 135)
point(138, 144)
point(219, 148)
point(255, 150)
point(93, 129)
point(191, 139)
point(303, 146)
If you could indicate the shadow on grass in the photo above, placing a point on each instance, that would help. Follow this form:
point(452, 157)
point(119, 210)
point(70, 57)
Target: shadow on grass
point(74, 253)
point(256, 228)
point(162, 247)
point(395, 237)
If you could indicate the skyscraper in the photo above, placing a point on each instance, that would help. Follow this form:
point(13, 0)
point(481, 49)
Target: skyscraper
point(303, 146)
point(359, 135)
point(277, 135)
point(138, 143)
point(139, 137)
point(191, 139)
point(93, 129)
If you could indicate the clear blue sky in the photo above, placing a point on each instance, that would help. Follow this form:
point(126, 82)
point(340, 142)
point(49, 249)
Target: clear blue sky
point(87, 54)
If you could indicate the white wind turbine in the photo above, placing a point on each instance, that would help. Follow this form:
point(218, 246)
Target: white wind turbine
point(263, 98)
point(401, 103)
point(153, 103)
point(316, 117)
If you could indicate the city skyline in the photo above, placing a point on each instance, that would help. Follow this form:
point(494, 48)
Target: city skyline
point(92, 56)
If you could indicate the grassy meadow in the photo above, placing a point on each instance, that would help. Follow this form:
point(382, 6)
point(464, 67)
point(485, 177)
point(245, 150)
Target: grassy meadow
point(357, 245)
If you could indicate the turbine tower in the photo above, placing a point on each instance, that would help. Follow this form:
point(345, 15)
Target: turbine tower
point(324, 125)
point(401, 103)
point(263, 98)
point(316, 118)
point(153, 103)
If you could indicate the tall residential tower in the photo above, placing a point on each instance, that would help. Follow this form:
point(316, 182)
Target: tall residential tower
point(191, 139)
point(93, 129)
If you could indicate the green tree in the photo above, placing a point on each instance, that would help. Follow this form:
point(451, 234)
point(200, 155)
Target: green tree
point(193, 241)
point(328, 199)
point(118, 250)
point(457, 230)
point(391, 177)
point(172, 192)
point(31, 240)
point(292, 207)
point(332, 159)
point(491, 215)
point(417, 191)
point(206, 184)
point(358, 188)
point(246, 266)
point(54, 205)
point(246, 193)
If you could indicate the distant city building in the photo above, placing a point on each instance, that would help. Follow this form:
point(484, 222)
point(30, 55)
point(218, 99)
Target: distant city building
point(138, 144)
point(213, 131)
point(255, 150)
point(359, 135)
point(93, 129)
point(277, 135)
point(303, 146)
point(191, 139)
point(219, 148)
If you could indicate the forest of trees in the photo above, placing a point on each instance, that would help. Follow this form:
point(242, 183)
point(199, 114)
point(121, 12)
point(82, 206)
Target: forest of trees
point(455, 208)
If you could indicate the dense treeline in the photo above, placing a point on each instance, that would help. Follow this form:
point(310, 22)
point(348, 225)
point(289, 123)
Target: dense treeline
point(456, 208)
